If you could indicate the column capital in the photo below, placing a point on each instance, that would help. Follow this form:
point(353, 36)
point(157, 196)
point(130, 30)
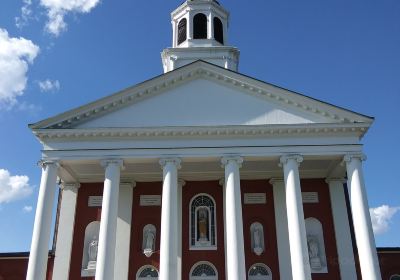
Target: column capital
point(237, 159)
point(176, 161)
point(74, 186)
point(349, 157)
point(221, 182)
point(131, 184)
point(106, 162)
point(274, 181)
point(286, 158)
point(181, 182)
point(45, 162)
point(333, 179)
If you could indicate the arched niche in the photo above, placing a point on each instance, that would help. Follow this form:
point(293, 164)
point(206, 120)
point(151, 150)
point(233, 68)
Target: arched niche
point(89, 254)
point(200, 26)
point(149, 240)
point(147, 272)
point(218, 30)
point(182, 31)
point(259, 271)
point(203, 271)
point(316, 246)
point(203, 229)
point(257, 238)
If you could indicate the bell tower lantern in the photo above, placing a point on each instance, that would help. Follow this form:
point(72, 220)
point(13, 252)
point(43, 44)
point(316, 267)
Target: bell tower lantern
point(200, 31)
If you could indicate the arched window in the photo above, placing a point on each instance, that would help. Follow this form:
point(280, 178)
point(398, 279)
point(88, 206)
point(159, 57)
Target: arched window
point(395, 277)
point(260, 271)
point(203, 271)
point(202, 222)
point(218, 30)
point(182, 26)
point(200, 26)
point(147, 272)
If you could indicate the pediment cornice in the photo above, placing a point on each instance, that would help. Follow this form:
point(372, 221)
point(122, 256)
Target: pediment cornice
point(198, 70)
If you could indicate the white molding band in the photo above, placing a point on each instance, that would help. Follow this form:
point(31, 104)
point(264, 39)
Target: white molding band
point(169, 219)
point(282, 234)
point(340, 216)
point(297, 231)
point(235, 257)
point(65, 232)
point(108, 221)
point(368, 256)
point(39, 253)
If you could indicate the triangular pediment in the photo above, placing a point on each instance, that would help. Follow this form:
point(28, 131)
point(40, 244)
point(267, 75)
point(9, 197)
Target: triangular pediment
point(201, 94)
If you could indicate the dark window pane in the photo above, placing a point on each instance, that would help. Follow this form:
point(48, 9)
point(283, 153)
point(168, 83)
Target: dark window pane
point(200, 26)
point(218, 30)
point(182, 26)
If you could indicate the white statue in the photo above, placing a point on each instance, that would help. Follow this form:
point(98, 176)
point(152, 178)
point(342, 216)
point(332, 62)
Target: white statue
point(313, 252)
point(202, 224)
point(257, 242)
point(92, 253)
point(148, 249)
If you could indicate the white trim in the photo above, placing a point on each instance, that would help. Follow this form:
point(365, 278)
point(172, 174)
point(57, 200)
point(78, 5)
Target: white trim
point(199, 278)
point(205, 248)
point(143, 268)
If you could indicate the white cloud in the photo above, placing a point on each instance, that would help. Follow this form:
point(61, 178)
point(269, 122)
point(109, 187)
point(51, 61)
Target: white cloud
point(57, 10)
point(49, 85)
point(381, 217)
point(26, 14)
point(13, 187)
point(27, 209)
point(15, 56)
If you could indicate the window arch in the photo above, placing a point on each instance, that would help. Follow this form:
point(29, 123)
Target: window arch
point(203, 271)
point(259, 271)
point(218, 30)
point(200, 26)
point(182, 31)
point(202, 222)
point(395, 277)
point(147, 272)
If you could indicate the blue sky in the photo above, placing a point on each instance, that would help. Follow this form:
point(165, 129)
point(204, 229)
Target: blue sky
point(57, 55)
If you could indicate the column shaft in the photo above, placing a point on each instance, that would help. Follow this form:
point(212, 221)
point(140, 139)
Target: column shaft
point(65, 231)
point(39, 253)
point(297, 231)
point(108, 221)
point(169, 220)
point(361, 218)
point(235, 258)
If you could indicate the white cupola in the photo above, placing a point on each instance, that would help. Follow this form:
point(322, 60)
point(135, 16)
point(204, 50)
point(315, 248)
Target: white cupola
point(200, 32)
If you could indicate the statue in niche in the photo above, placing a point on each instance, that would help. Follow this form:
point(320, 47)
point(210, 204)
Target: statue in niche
point(202, 225)
point(257, 242)
point(313, 252)
point(148, 250)
point(92, 253)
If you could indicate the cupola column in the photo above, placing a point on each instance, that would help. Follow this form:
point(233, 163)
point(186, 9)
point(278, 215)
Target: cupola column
point(295, 216)
point(39, 253)
point(234, 251)
point(361, 218)
point(108, 221)
point(169, 220)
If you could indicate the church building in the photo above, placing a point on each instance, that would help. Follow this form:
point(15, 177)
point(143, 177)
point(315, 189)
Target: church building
point(203, 173)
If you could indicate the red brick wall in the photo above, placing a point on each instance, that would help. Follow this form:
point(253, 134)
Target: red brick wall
point(16, 268)
point(389, 262)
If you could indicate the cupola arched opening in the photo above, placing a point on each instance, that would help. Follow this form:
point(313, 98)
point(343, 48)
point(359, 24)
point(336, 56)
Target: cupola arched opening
point(218, 30)
point(182, 31)
point(200, 26)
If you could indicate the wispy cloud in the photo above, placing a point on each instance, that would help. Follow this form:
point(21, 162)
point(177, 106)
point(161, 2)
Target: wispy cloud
point(381, 218)
point(26, 14)
point(13, 187)
point(16, 54)
point(27, 209)
point(49, 85)
point(58, 9)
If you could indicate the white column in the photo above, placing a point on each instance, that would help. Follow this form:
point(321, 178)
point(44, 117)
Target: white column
point(123, 234)
point(169, 220)
point(344, 244)
point(181, 183)
point(174, 34)
point(235, 259)
point(108, 221)
point(361, 218)
point(39, 253)
point(297, 231)
point(282, 234)
point(210, 24)
point(65, 231)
